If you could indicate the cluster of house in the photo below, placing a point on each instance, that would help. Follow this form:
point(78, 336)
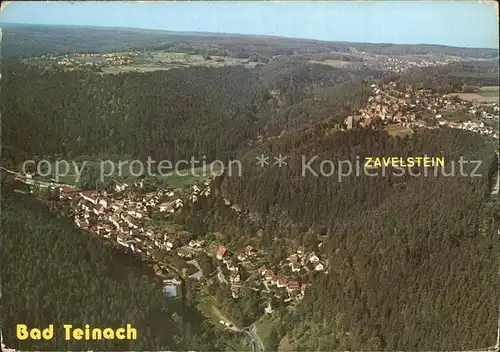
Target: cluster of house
point(389, 105)
point(117, 59)
point(478, 127)
point(298, 262)
point(125, 218)
point(228, 260)
point(380, 107)
point(67, 62)
point(74, 60)
point(290, 286)
point(396, 65)
point(232, 262)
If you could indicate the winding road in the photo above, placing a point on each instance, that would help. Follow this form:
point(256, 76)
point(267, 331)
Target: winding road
point(257, 346)
point(495, 188)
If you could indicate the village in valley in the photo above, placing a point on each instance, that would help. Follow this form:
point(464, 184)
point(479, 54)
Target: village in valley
point(138, 221)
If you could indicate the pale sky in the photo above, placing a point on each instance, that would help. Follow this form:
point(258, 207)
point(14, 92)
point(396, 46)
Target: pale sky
point(455, 23)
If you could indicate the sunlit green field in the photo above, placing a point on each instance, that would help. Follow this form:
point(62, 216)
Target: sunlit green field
point(488, 94)
point(334, 63)
point(161, 60)
point(128, 171)
point(398, 130)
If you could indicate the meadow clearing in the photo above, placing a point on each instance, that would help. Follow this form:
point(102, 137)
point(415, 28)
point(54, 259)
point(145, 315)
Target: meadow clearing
point(488, 94)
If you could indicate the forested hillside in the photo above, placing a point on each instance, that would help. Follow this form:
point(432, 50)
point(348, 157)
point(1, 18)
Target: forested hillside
point(170, 115)
point(413, 259)
point(54, 273)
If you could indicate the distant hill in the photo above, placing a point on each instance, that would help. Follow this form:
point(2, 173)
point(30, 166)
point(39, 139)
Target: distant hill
point(25, 40)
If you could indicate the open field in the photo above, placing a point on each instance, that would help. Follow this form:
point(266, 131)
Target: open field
point(488, 94)
point(334, 63)
point(285, 345)
point(426, 57)
point(188, 177)
point(135, 68)
point(142, 62)
point(68, 175)
point(163, 67)
point(129, 171)
point(207, 307)
point(161, 60)
point(398, 130)
point(264, 326)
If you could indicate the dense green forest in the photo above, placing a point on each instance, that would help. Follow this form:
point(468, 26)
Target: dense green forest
point(55, 273)
point(171, 114)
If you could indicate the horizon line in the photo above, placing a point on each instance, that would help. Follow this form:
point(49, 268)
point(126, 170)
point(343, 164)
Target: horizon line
point(241, 34)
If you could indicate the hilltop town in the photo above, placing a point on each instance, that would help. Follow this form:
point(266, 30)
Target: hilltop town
point(411, 109)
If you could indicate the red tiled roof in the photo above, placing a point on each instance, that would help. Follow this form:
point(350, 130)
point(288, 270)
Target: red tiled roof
point(293, 284)
point(67, 189)
point(221, 250)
